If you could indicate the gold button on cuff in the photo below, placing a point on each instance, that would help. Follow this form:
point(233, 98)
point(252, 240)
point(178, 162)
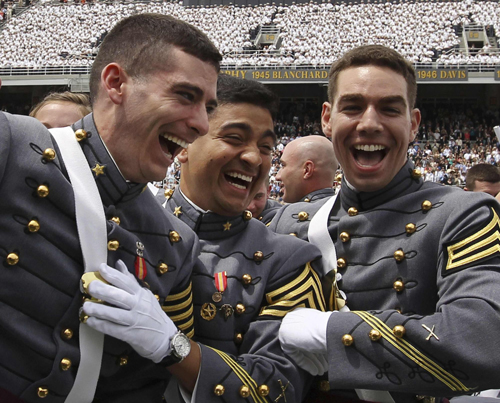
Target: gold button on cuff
point(246, 278)
point(258, 256)
point(247, 215)
point(80, 134)
point(347, 340)
point(83, 318)
point(399, 331)
point(116, 220)
point(12, 259)
point(426, 205)
point(33, 226)
point(398, 285)
point(123, 360)
point(341, 263)
point(410, 228)
point(168, 193)
point(66, 334)
point(263, 390)
point(49, 154)
point(374, 335)
point(307, 200)
point(113, 245)
point(303, 216)
point(399, 255)
point(174, 236)
point(219, 390)
point(416, 174)
point(244, 391)
point(324, 386)
point(43, 392)
point(238, 338)
point(240, 309)
point(353, 211)
point(65, 364)
point(42, 191)
point(162, 268)
point(344, 237)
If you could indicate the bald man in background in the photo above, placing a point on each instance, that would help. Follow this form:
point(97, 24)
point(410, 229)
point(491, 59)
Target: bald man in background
point(308, 169)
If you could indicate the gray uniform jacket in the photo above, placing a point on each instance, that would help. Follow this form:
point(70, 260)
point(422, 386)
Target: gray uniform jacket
point(420, 265)
point(267, 276)
point(42, 265)
point(270, 209)
point(318, 195)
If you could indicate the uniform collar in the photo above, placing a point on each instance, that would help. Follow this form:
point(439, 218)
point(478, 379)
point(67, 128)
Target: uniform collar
point(112, 186)
point(407, 180)
point(207, 225)
point(318, 194)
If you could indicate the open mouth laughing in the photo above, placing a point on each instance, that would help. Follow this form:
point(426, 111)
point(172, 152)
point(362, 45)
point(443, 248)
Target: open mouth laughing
point(172, 145)
point(238, 180)
point(368, 155)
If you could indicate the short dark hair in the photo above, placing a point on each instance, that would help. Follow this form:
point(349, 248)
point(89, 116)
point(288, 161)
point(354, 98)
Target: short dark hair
point(481, 172)
point(376, 55)
point(141, 44)
point(232, 90)
point(80, 100)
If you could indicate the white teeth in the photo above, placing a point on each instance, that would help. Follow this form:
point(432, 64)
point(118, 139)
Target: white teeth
point(175, 140)
point(370, 147)
point(240, 176)
point(238, 186)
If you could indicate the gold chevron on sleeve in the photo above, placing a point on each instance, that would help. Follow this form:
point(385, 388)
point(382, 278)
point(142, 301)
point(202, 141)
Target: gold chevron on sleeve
point(244, 377)
point(413, 353)
point(482, 244)
point(180, 295)
point(179, 307)
point(304, 291)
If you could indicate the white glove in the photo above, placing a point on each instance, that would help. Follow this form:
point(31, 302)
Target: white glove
point(303, 337)
point(136, 317)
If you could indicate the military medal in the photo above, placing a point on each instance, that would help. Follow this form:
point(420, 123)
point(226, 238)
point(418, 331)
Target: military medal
point(140, 263)
point(208, 311)
point(220, 280)
point(227, 310)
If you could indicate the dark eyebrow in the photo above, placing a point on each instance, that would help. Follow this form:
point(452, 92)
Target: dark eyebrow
point(246, 127)
point(391, 99)
point(197, 90)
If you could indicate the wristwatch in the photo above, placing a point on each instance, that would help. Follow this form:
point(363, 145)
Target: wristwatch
point(181, 347)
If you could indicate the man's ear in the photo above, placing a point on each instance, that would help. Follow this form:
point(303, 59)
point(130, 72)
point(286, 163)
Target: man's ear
point(113, 81)
point(308, 169)
point(183, 155)
point(325, 119)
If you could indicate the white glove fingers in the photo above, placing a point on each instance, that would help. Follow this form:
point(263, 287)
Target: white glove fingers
point(124, 281)
point(108, 313)
point(111, 294)
point(106, 327)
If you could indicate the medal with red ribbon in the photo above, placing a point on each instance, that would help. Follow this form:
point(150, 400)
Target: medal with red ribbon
point(140, 264)
point(221, 285)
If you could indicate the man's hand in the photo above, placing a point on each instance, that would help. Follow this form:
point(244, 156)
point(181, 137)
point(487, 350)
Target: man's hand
point(303, 337)
point(136, 316)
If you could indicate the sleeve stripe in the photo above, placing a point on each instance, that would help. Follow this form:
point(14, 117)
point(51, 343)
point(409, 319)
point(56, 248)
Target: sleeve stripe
point(245, 378)
point(179, 307)
point(181, 295)
point(412, 353)
point(182, 305)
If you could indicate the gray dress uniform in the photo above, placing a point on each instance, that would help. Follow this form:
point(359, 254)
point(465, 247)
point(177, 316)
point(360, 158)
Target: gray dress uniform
point(270, 210)
point(42, 264)
point(420, 266)
point(267, 275)
point(318, 195)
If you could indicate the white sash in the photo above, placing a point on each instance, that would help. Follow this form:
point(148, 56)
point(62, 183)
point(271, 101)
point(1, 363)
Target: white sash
point(91, 224)
point(318, 235)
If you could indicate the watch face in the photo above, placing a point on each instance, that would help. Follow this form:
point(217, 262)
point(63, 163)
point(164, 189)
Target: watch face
point(182, 345)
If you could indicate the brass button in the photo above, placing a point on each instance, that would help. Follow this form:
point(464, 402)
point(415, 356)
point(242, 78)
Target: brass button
point(246, 278)
point(83, 317)
point(116, 220)
point(303, 216)
point(410, 228)
point(174, 236)
point(344, 236)
point(240, 309)
point(258, 256)
point(162, 268)
point(426, 205)
point(293, 234)
point(416, 174)
point(398, 310)
point(123, 360)
point(42, 191)
point(49, 154)
point(324, 386)
point(244, 391)
point(238, 338)
point(12, 259)
point(113, 245)
point(33, 226)
point(374, 335)
point(399, 331)
point(263, 390)
point(66, 334)
point(157, 297)
point(398, 285)
point(353, 211)
point(80, 134)
point(247, 215)
point(338, 178)
point(347, 340)
point(43, 392)
point(307, 199)
point(399, 255)
point(341, 263)
point(219, 390)
point(65, 364)
point(168, 193)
